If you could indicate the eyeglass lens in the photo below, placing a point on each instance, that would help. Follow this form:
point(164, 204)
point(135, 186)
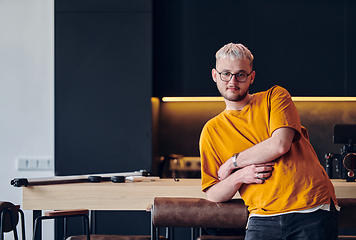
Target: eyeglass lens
point(227, 76)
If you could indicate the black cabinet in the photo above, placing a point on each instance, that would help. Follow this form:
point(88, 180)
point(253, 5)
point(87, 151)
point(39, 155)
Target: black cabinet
point(304, 46)
point(103, 86)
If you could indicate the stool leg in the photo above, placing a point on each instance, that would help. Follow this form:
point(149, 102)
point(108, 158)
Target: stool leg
point(22, 224)
point(37, 228)
point(86, 226)
point(2, 226)
point(152, 228)
point(64, 228)
point(92, 221)
point(37, 214)
point(193, 233)
point(170, 233)
point(157, 233)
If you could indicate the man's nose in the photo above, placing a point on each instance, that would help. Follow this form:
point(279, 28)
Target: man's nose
point(233, 79)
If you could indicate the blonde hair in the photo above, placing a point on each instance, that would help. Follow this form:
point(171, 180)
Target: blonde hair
point(234, 51)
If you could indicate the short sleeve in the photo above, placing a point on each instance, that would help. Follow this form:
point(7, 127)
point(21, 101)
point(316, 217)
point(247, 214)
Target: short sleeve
point(209, 163)
point(283, 112)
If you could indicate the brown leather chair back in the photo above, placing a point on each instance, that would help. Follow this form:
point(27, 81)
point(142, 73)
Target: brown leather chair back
point(198, 213)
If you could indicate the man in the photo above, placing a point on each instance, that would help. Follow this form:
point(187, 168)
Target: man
point(258, 147)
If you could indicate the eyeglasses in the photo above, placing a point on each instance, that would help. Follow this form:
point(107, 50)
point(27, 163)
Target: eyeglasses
point(240, 76)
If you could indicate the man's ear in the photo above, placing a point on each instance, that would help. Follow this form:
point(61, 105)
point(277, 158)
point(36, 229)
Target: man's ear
point(214, 74)
point(253, 75)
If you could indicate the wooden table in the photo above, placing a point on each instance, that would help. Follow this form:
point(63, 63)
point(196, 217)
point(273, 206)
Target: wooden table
point(127, 196)
point(107, 195)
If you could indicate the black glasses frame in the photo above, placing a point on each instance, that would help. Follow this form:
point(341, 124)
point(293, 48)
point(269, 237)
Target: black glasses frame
point(235, 76)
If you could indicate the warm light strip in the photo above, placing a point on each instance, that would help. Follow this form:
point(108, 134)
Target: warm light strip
point(192, 99)
point(324, 99)
point(296, 99)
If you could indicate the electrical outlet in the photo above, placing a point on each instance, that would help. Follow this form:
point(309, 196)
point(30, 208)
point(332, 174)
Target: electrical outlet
point(35, 163)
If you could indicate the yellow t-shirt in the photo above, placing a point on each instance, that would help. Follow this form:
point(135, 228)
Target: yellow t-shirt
point(298, 181)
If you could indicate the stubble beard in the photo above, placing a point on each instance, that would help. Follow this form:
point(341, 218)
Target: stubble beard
point(233, 97)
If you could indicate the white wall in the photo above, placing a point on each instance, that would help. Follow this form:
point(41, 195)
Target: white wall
point(26, 91)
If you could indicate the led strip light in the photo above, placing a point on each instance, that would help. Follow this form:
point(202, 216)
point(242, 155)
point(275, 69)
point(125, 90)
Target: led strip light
point(296, 99)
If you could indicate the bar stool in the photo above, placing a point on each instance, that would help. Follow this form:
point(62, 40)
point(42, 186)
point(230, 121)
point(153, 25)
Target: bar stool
point(10, 218)
point(83, 213)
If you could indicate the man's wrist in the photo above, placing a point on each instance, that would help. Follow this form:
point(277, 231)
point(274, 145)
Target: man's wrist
point(234, 160)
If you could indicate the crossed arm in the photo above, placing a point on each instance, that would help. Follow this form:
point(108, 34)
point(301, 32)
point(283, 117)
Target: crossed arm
point(256, 159)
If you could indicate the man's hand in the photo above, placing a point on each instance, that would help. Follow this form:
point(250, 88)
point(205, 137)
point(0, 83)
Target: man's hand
point(227, 188)
point(255, 173)
point(263, 170)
